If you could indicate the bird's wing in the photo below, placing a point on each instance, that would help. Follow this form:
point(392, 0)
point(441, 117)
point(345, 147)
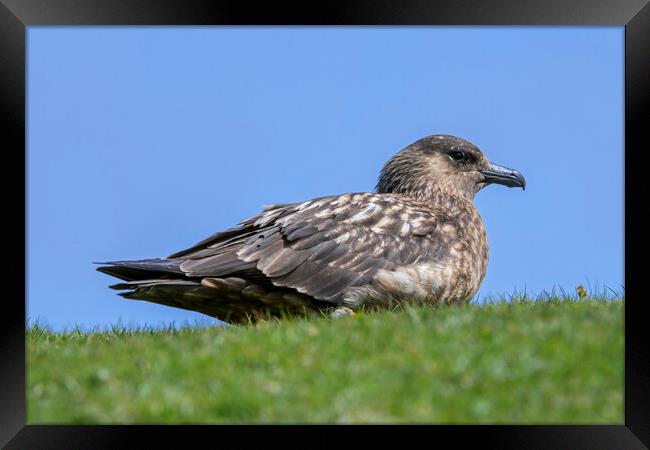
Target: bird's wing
point(320, 247)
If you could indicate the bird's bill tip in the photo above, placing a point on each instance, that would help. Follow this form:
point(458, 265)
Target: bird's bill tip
point(503, 175)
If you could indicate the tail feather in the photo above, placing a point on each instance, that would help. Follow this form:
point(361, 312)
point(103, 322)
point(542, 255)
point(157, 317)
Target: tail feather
point(185, 294)
point(231, 299)
point(141, 269)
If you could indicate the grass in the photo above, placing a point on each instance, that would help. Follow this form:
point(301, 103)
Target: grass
point(546, 361)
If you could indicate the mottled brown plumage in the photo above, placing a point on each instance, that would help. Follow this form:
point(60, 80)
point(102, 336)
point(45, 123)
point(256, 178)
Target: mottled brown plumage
point(418, 238)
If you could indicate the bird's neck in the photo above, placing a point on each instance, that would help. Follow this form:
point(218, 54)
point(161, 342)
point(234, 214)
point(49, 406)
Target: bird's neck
point(448, 200)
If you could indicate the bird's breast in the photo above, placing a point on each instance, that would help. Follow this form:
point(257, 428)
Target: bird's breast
point(450, 273)
point(470, 260)
point(455, 271)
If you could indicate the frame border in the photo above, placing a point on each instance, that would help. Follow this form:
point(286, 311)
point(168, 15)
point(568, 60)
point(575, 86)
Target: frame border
point(17, 15)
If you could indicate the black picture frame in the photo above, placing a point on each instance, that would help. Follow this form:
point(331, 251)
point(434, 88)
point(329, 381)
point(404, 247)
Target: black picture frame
point(17, 15)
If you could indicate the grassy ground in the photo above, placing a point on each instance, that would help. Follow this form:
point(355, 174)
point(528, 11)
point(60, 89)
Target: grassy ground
point(525, 362)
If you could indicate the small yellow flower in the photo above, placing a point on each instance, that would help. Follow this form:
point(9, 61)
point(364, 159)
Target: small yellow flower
point(581, 291)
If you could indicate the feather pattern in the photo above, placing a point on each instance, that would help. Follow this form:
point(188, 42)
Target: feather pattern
point(320, 247)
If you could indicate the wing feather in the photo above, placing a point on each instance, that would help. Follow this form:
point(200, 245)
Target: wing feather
point(321, 247)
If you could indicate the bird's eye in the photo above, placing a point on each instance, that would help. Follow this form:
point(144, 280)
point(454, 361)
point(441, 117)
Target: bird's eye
point(457, 155)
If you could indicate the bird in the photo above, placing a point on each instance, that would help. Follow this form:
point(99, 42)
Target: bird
point(418, 239)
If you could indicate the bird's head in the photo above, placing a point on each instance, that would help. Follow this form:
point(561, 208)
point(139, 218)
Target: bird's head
point(446, 164)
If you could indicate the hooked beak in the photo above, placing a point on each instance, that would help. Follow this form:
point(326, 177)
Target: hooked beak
point(503, 175)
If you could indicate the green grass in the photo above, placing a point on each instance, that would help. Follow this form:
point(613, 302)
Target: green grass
point(548, 361)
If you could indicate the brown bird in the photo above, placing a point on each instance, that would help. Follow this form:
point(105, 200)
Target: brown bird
point(417, 239)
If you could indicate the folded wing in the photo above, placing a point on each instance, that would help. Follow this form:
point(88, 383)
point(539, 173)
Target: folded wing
point(320, 247)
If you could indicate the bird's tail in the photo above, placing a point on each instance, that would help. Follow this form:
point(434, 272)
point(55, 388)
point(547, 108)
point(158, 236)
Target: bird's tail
point(185, 294)
point(142, 269)
point(162, 281)
point(231, 299)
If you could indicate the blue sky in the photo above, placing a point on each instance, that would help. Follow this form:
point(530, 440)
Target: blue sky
point(143, 141)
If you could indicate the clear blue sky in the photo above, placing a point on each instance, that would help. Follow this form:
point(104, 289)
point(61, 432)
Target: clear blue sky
point(143, 141)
